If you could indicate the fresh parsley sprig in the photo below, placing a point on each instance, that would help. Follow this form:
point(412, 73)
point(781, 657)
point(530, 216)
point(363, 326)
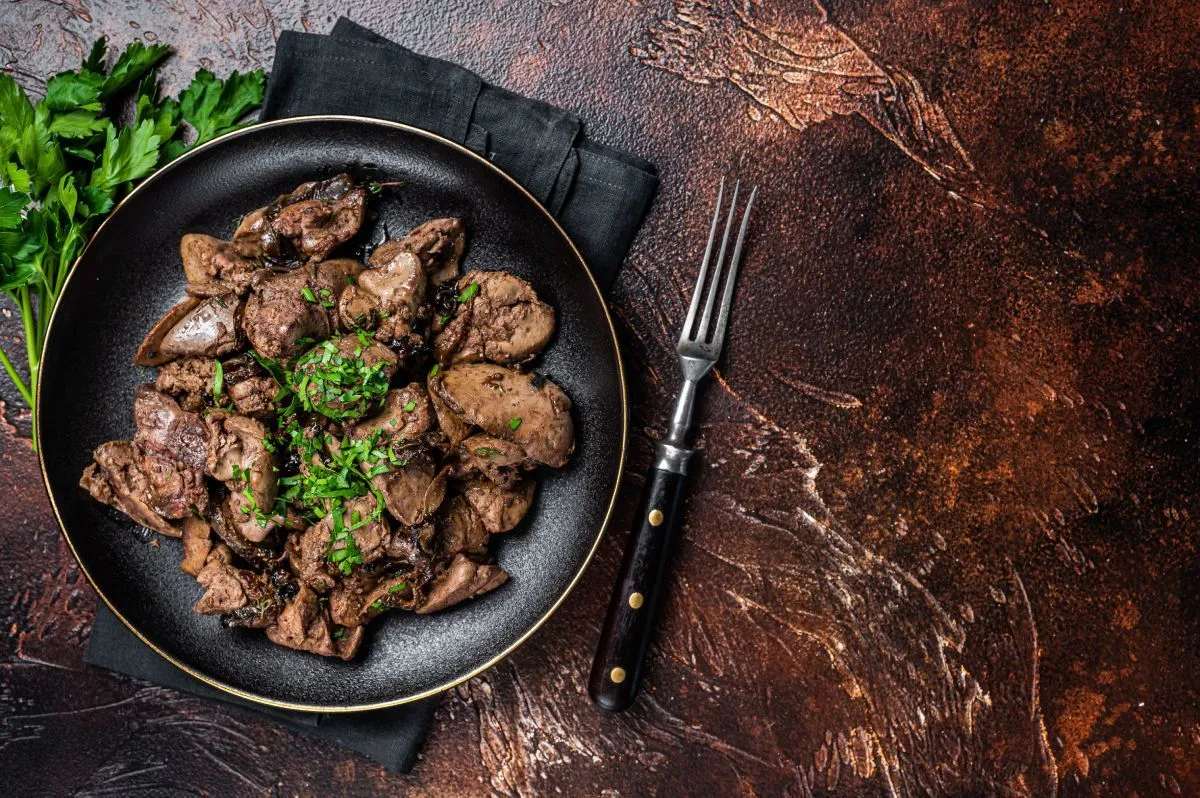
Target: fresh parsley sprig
point(66, 160)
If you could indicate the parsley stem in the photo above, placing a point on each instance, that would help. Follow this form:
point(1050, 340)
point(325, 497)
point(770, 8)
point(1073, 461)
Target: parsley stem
point(45, 307)
point(30, 323)
point(16, 378)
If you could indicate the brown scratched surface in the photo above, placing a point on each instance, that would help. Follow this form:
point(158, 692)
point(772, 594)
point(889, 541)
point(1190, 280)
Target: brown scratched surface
point(942, 539)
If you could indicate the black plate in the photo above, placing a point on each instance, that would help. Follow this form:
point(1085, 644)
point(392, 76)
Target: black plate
point(130, 275)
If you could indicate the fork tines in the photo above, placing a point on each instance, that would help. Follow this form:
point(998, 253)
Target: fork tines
point(705, 339)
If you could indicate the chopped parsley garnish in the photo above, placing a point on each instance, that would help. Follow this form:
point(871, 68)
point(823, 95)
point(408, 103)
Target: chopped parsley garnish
point(443, 319)
point(338, 386)
point(272, 367)
point(343, 549)
point(333, 476)
point(339, 634)
point(308, 294)
point(378, 606)
point(220, 301)
point(408, 408)
point(470, 292)
point(487, 451)
point(514, 423)
point(398, 587)
point(433, 372)
point(218, 380)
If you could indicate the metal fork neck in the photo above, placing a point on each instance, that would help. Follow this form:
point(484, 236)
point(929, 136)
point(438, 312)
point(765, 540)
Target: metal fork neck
point(681, 416)
point(672, 452)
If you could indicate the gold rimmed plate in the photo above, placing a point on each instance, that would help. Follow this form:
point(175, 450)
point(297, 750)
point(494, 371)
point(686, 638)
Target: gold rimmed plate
point(130, 274)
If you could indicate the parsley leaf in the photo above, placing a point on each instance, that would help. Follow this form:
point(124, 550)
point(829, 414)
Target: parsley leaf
point(164, 113)
point(95, 59)
point(68, 91)
point(39, 153)
point(16, 112)
point(18, 178)
point(66, 160)
point(134, 61)
point(78, 124)
point(128, 155)
point(11, 205)
point(68, 197)
point(214, 106)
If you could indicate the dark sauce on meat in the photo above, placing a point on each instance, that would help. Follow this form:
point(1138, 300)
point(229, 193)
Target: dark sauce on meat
point(445, 299)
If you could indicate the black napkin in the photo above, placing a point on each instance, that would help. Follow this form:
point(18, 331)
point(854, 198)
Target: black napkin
point(392, 737)
point(599, 195)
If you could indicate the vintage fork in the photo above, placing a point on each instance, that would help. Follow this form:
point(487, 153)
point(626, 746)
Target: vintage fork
point(618, 665)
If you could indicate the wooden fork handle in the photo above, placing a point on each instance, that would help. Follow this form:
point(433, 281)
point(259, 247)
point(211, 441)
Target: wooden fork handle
point(617, 669)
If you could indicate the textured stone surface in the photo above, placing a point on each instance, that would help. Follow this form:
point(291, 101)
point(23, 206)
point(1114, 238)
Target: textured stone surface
point(942, 538)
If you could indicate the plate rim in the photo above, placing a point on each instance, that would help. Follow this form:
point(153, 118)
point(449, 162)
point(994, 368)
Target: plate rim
point(600, 531)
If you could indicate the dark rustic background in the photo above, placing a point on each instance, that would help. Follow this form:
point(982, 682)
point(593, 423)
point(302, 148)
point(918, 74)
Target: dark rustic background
point(942, 538)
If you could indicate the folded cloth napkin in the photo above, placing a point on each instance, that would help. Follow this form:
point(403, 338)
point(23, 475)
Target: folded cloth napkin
point(599, 195)
point(392, 737)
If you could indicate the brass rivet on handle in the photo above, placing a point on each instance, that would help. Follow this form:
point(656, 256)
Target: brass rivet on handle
point(617, 675)
point(636, 599)
point(656, 517)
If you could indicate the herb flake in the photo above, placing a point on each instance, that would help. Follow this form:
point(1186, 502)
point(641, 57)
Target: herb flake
point(469, 293)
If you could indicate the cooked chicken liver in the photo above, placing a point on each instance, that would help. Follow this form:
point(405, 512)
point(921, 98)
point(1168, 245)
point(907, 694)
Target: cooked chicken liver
point(115, 479)
point(499, 318)
point(464, 579)
point(529, 411)
point(459, 531)
point(439, 243)
point(166, 428)
point(213, 267)
point(406, 413)
point(320, 467)
point(315, 219)
point(388, 297)
point(497, 460)
point(188, 380)
point(197, 543)
point(500, 509)
point(412, 491)
point(237, 456)
point(285, 308)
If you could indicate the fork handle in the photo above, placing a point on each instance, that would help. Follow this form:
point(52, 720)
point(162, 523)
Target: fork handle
point(617, 669)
